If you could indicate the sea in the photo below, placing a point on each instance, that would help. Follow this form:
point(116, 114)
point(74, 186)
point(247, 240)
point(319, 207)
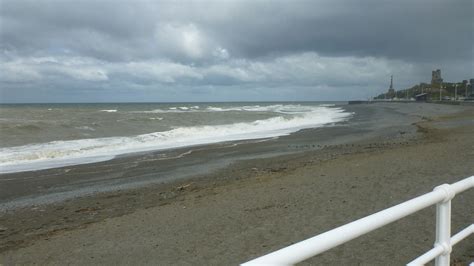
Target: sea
point(43, 136)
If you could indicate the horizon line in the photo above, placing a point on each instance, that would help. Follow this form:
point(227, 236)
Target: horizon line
point(279, 101)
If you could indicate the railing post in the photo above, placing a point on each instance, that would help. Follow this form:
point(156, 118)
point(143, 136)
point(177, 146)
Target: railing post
point(443, 232)
point(443, 226)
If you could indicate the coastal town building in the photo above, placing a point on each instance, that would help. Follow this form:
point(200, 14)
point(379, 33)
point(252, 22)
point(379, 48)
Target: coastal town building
point(438, 90)
point(436, 78)
point(422, 97)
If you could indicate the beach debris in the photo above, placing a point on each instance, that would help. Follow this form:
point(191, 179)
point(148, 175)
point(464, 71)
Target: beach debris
point(183, 187)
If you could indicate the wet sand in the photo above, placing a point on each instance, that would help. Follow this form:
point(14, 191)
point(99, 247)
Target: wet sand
point(232, 203)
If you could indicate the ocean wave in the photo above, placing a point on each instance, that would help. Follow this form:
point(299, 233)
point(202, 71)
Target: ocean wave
point(62, 153)
point(109, 111)
point(277, 108)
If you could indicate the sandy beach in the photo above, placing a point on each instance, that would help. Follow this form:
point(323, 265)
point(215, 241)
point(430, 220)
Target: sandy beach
point(228, 203)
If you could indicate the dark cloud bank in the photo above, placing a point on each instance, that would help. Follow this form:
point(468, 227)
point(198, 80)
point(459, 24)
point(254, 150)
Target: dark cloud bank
point(74, 51)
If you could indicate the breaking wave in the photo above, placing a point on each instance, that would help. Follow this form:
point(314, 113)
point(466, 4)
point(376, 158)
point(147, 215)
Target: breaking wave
point(71, 152)
point(278, 108)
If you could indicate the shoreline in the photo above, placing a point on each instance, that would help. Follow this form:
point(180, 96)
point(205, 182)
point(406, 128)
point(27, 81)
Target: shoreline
point(132, 171)
point(32, 228)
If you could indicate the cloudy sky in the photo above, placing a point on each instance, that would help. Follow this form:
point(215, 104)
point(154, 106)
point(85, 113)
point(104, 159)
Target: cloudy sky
point(109, 51)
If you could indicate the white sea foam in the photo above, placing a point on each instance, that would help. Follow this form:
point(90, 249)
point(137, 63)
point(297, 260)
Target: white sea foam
point(278, 108)
point(109, 111)
point(62, 153)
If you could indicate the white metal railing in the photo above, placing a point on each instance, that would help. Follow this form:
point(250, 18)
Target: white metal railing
point(441, 196)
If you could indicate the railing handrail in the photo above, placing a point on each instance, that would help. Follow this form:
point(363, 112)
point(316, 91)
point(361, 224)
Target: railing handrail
point(438, 249)
point(313, 246)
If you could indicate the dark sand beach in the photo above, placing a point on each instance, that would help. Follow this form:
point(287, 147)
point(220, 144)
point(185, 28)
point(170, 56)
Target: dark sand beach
point(225, 204)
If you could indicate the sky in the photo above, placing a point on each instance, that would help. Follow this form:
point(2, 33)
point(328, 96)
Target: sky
point(195, 51)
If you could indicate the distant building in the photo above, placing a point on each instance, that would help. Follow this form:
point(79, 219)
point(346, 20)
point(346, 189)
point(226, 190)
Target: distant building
point(466, 88)
point(422, 97)
point(436, 77)
point(422, 87)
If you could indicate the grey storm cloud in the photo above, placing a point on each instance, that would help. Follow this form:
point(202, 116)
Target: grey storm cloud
point(204, 46)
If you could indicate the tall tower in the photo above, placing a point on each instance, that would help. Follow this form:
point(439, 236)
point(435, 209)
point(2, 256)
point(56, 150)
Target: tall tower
point(391, 90)
point(436, 77)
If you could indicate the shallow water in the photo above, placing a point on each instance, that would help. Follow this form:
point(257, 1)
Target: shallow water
point(41, 136)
